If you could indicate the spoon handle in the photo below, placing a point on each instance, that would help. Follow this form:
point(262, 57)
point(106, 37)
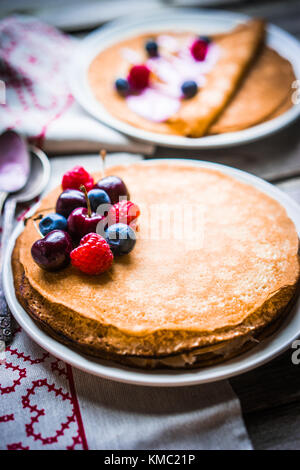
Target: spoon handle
point(5, 315)
point(3, 196)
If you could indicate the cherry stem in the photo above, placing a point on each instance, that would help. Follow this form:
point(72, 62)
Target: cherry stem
point(89, 209)
point(36, 227)
point(103, 158)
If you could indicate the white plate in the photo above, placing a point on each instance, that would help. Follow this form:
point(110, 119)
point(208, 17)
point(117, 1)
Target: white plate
point(206, 22)
point(260, 354)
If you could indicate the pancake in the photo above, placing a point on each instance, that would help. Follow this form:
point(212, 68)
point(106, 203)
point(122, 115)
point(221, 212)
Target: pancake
point(237, 51)
point(264, 94)
point(110, 64)
point(169, 299)
point(260, 83)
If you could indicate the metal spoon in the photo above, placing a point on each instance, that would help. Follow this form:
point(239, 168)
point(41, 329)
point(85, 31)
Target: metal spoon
point(37, 182)
point(14, 164)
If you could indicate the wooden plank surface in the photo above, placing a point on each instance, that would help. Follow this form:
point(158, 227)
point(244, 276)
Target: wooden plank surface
point(276, 428)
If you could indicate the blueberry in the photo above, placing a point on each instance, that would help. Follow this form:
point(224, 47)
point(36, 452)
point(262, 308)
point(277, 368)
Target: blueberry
point(52, 222)
point(189, 88)
point(98, 197)
point(121, 238)
point(122, 86)
point(206, 39)
point(152, 48)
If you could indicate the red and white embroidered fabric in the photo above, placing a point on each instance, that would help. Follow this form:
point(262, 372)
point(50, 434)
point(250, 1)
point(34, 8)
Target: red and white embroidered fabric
point(34, 58)
point(47, 405)
point(39, 407)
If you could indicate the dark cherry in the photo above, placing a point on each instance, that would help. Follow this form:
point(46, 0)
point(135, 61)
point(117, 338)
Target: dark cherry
point(69, 200)
point(82, 220)
point(80, 223)
point(114, 187)
point(53, 251)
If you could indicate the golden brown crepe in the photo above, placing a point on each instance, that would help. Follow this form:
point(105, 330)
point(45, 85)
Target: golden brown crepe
point(264, 93)
point(249, 84)
point(167, 301)
point(111, 64)
point(237, 51)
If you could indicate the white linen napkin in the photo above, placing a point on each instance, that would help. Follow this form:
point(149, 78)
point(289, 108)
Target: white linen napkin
point(122, 416)
point(37, 101)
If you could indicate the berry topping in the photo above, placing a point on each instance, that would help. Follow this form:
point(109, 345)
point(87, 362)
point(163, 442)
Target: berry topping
point(122, 86)
point(114, 187)
point(189, 88)
point(124, 212)
point(139, 77)
point(69, 200)
point(121, 239)
point(199, 49)
point(80, 223)
point(52, 222)
point(53, 251)
point(76, 177)
point(98, 197)
point(151, 47)
point(93, 255)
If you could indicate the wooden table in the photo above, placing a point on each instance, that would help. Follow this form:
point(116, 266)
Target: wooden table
point(270, 395)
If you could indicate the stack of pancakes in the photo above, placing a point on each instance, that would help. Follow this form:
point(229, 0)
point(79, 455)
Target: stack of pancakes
point(250, 83)
point(170, 303)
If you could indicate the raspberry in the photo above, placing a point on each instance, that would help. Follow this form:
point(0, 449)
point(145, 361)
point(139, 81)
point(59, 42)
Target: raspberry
point(76, 177)
point(123, 212)
point(199, 49)
point(93, 255)
point(139, 77)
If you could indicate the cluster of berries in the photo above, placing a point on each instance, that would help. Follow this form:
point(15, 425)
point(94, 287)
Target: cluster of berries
point(139, 75)
point(93, 223)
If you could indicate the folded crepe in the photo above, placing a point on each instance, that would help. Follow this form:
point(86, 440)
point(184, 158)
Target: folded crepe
point(264, 93)
point(238, 50)
point(249, 84)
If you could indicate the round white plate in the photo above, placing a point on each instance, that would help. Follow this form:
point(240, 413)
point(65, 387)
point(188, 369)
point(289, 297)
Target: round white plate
point(206, 22)
point(260, 354)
